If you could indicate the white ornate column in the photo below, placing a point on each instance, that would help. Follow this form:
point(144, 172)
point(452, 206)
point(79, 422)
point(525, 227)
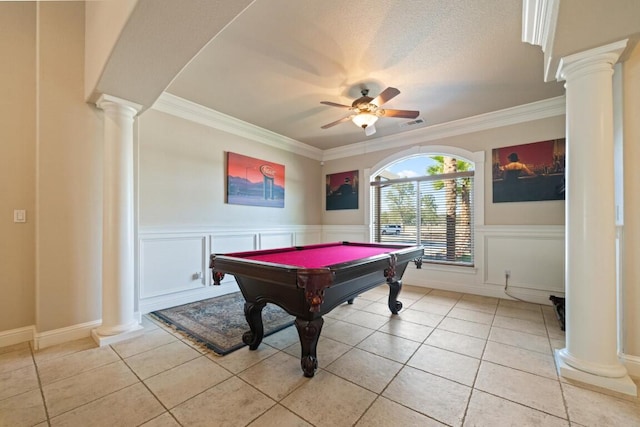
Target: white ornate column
point(118, 319)
point(590, 355)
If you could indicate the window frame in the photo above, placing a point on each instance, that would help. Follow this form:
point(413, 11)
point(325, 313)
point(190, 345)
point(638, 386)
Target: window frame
point(478, 193)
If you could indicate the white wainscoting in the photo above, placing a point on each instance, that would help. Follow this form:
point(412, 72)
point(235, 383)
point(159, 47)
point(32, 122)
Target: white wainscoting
point(534, 255)
point(232, 242)
point(345, 233)
point(534, 258)
point(276, 240)
point(174, 262)
point(170, 260)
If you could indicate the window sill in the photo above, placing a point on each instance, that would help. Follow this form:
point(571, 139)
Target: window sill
point(448, 268)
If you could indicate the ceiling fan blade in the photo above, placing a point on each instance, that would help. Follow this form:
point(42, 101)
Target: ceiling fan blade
point(337, 122)
point(385, 96)
point(370, 130)
point(406, 114)
point(333, 104)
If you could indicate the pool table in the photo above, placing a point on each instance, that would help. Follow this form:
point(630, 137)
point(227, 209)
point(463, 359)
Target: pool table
point(310, 281)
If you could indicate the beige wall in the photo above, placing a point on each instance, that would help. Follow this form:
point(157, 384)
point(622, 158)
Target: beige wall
point(69, 171)
point(51, 154)
point(631, 230)
point(17, 163)
point(182, 177)
point(526, 213)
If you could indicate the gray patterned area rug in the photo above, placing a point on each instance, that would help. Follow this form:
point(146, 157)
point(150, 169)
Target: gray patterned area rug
point(218, 323)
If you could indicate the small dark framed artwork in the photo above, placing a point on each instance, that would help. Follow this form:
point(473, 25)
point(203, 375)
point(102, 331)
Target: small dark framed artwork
point(342, 190)
point(529, 172)
point(254, 182)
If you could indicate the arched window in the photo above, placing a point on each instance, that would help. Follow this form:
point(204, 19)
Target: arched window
point(428, 200)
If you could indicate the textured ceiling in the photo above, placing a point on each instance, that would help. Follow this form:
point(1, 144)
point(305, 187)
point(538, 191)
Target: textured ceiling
point(273, 64)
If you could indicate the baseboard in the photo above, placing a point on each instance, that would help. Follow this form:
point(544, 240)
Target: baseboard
point(50, 338)
point(17, 336)
point(488, 290)
point(632, 363)
point(62, 335)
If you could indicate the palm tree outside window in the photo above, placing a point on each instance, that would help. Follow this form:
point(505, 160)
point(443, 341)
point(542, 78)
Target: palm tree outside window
point(429, 198)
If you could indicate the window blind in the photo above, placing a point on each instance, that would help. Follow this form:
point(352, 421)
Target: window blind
point(434, 211)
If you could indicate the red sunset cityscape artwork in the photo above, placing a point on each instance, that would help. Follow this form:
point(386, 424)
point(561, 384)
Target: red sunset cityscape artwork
point(254, 182)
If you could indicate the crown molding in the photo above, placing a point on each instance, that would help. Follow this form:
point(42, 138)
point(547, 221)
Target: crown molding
point(188, 110)
point(539, 19)
point(539, 22)
point(523, 113)
point(180, 107)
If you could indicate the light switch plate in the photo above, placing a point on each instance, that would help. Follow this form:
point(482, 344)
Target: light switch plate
point(19, 215)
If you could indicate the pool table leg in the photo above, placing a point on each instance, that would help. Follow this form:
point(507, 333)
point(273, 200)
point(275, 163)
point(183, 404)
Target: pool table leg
point(253, 314)
point(394, 289)
point(309, 333)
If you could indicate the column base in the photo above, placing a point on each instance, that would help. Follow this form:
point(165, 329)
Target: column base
point(622, 384)
point(103, 339)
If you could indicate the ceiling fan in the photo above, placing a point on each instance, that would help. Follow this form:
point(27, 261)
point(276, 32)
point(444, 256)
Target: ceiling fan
point(366, 110)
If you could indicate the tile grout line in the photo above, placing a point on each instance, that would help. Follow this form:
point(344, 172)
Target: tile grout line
point(144, 384)
point(555, 364)
point(378, 395)
point(44, 401)
point(354, 346)
point(72, 376)
point(544, 321)
point(519, 403)
point(206, 356)
point(404, 365)
point(475, 377)
point(279, 350)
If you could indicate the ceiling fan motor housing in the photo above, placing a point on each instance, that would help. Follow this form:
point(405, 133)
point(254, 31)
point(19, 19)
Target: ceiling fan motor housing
point(363, 103)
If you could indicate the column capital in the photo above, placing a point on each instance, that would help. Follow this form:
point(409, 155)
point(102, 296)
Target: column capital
point(585, 61)
point(108, 101)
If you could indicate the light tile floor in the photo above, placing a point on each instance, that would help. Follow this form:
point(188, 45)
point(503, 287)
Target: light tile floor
point(447, 359)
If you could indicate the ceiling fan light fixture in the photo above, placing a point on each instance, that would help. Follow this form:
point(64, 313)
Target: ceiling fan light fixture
point(366, 110)
point(363, 120)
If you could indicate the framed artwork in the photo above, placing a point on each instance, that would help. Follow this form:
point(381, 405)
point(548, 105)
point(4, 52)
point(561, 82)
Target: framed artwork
point(254, 182)
point(342, 190)
point(529, 172)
